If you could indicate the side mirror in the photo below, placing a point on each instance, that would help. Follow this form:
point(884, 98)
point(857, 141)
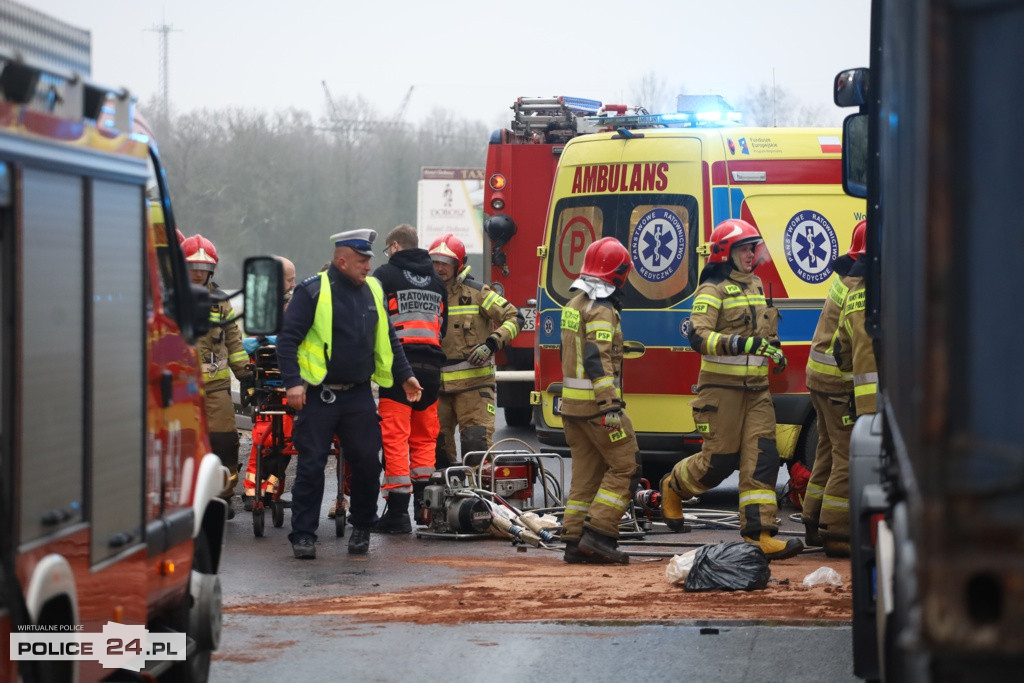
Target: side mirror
point(264, 295)
point(851, 88)
point(855, 155)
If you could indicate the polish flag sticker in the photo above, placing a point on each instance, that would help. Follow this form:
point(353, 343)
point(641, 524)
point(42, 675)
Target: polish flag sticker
point(830, 144)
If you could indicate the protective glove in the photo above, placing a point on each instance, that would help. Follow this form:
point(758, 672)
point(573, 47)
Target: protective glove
point(612, 421)
point(760, 346)
point(479, 356)
point(246, 389)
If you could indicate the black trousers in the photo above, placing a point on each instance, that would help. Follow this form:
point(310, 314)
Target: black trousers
point(353, 418)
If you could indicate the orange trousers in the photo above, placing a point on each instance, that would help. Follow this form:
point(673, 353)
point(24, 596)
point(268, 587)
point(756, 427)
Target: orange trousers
point(263, 435)
point(410, 440)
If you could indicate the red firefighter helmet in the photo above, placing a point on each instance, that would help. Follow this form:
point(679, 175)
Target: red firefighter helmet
point(448, 247)
point(608, 261)
point(200, 253)
point(728, 234)
point(859, 243)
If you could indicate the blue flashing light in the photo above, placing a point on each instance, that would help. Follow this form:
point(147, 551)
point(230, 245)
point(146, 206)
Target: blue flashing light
point(580, 105)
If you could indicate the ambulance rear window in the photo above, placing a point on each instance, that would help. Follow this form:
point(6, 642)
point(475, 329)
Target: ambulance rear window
point(659, 230)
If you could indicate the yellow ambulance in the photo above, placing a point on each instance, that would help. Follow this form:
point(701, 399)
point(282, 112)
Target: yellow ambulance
point(659, 184)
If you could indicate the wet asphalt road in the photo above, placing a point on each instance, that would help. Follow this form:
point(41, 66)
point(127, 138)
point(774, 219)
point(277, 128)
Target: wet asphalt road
point(320, 648)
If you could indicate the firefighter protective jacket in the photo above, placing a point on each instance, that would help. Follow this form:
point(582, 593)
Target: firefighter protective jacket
point(823, 373)
point(476, 314)
point(728, 309)
point(416, 303)
point(854, 351)
point(591, 357)
point(220, 350)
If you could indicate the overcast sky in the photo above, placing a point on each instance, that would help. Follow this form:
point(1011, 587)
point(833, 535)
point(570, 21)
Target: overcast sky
point(471, 56)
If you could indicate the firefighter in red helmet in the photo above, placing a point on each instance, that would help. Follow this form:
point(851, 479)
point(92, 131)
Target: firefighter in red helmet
point(220, 354)
point(735, 331)
point(480, 321)
point(605, 457)
point(826, 509)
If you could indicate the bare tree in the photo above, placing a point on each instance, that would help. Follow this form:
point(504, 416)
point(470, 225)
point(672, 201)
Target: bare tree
point(257, 182)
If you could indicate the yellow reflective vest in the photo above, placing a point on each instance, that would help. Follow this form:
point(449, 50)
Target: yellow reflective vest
point(314, 352)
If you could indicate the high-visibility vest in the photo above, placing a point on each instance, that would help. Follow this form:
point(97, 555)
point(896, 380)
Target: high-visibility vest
point(315, 350)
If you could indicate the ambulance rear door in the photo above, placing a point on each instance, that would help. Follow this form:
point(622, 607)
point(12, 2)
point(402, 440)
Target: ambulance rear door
point(646, 189)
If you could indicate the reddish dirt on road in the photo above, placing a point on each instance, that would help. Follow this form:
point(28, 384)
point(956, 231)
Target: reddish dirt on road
point(539, 586)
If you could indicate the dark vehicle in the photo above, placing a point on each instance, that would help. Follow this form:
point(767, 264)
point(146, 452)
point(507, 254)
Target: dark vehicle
point(937, 476)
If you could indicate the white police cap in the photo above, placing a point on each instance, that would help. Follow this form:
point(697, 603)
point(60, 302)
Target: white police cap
point(360, 241)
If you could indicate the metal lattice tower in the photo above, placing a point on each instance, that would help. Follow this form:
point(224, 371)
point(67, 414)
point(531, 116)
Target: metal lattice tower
point(164, 29)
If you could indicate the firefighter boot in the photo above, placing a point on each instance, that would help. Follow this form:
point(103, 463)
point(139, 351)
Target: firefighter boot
point(671, 506)
point(600, 548)
point(812, 535)
point(774, 549)
point(837, 548)
point(396, 518)
point(417, 503)
point(573, 555)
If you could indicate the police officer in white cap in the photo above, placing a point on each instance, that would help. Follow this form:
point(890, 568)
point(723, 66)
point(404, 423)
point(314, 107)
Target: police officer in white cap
point(335, 338)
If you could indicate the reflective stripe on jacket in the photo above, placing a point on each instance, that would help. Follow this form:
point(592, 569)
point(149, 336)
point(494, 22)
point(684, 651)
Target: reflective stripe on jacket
point(475, 313)
point(220, 350)
point(823, 373)
point(724, 309)
point(315, 349)
point(591, 357)
point(855, 353)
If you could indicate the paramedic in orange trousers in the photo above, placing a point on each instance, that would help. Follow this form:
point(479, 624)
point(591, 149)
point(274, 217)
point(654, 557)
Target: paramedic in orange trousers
point(416, 303)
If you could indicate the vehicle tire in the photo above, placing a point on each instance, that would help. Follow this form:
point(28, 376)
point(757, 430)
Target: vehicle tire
point(518, 416)
point(257, 521)
point(278, 514)
point(807, 444)
point(196, 668)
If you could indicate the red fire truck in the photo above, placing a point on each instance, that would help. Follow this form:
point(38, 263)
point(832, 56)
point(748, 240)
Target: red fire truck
point(108, 489)
point(521, 163)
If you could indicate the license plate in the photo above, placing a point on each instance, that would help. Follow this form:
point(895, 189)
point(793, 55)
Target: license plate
point(529, 318)
point(556, 407)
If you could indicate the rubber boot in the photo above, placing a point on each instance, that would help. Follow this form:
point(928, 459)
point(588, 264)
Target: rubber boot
point(672, 507)
point(601, 548)
point(573, 555)
point(836, 548)
point(774, 549)
point(396, 518)
point(812, 535)
point(417, 503)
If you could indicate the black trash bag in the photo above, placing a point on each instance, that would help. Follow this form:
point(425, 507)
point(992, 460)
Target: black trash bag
point(732, 566)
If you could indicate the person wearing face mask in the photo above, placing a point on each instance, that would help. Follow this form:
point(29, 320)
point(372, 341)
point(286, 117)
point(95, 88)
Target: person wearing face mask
point(605, 457)
point(735, 331)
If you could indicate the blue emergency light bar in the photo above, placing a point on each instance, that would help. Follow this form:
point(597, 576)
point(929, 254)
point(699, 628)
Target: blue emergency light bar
point(579, 105)
point(685, 119)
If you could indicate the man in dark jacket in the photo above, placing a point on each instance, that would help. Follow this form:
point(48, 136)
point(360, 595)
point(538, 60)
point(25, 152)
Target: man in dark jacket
point(335, 338)
point(417, 309)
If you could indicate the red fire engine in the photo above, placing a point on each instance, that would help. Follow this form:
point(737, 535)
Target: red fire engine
point(521, 163)
point(108, 489)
